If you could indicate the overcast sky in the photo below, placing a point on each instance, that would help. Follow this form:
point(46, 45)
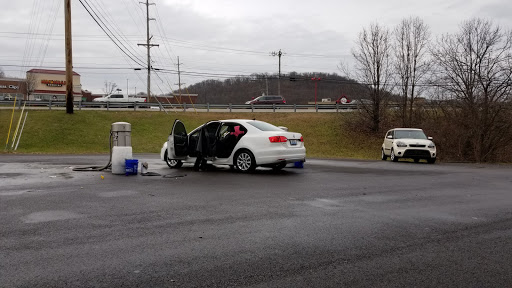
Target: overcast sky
point(214, 39)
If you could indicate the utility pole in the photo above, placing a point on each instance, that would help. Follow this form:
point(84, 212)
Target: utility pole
point(69, 57)
point(279, 54)
point(148, 45)
point(266, 83)
point(179, 77)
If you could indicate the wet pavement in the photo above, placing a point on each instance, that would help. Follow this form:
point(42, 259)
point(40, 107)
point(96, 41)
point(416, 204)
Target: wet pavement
point(334, 223)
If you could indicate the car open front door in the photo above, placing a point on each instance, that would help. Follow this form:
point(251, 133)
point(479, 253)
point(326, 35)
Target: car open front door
point(177, 144)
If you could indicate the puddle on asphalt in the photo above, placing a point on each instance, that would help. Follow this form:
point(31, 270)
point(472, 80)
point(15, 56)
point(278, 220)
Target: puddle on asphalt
point(62, 175)
point(20, 192)
point(46, 216)
point(325, 204)
point(117, 193)
point(10, 175)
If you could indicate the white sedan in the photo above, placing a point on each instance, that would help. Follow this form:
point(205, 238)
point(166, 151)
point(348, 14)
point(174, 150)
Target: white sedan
point(408, 143)
point(242, 144)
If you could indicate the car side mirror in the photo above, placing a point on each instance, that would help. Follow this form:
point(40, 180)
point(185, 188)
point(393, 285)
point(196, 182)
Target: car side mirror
point(390, 137)
point(282, 127)
point(430, 138)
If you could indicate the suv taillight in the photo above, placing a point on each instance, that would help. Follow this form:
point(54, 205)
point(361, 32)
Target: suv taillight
point(277, 139)
point(301, 139)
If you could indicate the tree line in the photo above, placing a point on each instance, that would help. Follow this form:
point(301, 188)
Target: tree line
point(297, 88)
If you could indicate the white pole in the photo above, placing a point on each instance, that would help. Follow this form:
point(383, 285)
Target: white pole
point(22, 126)
point(17, 126)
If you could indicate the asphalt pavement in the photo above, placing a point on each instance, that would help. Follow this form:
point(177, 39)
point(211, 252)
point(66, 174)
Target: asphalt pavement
point(333, 223)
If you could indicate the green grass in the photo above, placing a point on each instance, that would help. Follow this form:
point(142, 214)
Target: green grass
point(325, 134)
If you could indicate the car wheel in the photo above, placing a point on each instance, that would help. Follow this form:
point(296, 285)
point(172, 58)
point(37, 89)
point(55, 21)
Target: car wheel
point(416, 160)
point(431, 160)
point(172, 163)
point(383, 156)
point(244, 161)
point(279, 166)
point(393, 157)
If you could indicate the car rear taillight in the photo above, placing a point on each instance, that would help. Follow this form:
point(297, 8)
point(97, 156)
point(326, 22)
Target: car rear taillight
point(301, 139)
point(277, 139)
point(145, 100)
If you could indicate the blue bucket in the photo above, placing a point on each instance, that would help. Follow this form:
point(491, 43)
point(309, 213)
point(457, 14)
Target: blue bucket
point(131, 166)
point(298, 164)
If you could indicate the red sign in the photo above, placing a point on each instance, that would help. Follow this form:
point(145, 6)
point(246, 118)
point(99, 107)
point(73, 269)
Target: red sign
point(53, 83)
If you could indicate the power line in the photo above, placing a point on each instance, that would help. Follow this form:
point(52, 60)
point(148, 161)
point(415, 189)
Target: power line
point(122, 50)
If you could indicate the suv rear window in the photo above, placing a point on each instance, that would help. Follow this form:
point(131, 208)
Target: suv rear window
point(264, 126)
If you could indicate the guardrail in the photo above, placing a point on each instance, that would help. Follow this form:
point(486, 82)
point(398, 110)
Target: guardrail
point(184, 106)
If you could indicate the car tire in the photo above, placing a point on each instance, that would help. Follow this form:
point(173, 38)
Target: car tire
point(244, 161)
point(431, 160)
point(392, 156)
point(174, 164)
point(279, 166)
point(383, 156)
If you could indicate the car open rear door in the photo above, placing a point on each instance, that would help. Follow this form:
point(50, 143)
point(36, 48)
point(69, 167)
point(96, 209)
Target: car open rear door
point(177, 144)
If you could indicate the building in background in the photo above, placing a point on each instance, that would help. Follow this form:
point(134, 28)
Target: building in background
point(45, 85)
point(11, 88)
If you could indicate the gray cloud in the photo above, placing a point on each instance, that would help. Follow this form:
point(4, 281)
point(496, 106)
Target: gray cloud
point(215, 37)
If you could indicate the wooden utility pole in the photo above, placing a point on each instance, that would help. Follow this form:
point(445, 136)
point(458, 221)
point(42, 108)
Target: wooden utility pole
point(69, 57)
point(148, 45)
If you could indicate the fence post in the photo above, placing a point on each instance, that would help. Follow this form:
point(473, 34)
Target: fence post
point(135, 106)
point(80, 104)
point(294, 107)
point(108, 105)
point(337, 107)
point(184, 107)
point(50, 104)
point(274, 107)
point(229, 107)
point(207, 107)
point(252, 107)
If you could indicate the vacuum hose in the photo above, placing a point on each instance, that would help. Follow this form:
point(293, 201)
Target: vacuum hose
point(99, 168)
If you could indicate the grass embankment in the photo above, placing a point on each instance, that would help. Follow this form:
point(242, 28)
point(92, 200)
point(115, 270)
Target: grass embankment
point(325, 134)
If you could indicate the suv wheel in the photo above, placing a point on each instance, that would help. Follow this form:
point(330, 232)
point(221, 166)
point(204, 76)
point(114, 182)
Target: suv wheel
point(383, 156)
point(393, 157)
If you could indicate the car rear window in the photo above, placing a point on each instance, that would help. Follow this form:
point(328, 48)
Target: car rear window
point(263, 126)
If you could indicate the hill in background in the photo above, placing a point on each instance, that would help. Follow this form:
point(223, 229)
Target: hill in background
point(297, 88)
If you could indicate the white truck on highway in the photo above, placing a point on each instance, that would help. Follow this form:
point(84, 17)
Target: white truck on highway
point(119, 97)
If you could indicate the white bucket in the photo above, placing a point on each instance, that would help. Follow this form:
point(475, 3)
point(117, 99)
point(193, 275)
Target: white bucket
point(119, 155)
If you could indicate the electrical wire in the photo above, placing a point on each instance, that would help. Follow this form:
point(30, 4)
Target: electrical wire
point(102, 28)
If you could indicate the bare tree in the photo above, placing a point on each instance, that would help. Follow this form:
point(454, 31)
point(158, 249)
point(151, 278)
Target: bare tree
point(474, 76)
point(412, 36)
point(372, 67)
point(109, 87)
point(30, 83)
